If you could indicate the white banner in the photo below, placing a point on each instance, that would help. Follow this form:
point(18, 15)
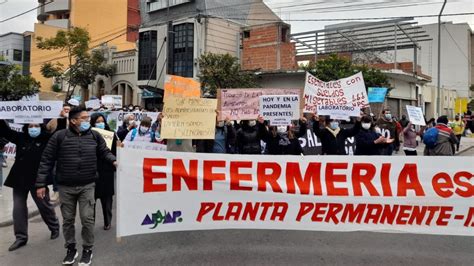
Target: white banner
point(280, 109)
point(112, 101)
point(415, 115)
point(24, 112)
point(343, 92)
point(138, 117)
point(93, 104)
point(339, 112)
point(173, 191)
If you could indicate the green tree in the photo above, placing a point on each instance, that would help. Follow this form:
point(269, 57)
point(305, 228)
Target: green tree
point(83, 66)
point(335, 67)
point(14, 85)
point(223, 71)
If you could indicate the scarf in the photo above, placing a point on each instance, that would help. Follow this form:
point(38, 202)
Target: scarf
point(334, 132)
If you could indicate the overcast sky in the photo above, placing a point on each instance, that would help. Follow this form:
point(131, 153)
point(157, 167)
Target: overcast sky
point(291, 9)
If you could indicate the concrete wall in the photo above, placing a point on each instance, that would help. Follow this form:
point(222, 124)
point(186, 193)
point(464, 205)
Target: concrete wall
point(222, 37)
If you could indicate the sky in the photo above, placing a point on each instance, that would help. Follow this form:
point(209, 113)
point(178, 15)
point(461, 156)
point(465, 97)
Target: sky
point(291, 10)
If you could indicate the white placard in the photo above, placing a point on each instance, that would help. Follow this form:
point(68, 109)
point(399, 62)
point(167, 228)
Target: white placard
point(149, 146)
point(30, 111)
point(415, 114)
point(112, 101)
point(339, 112)
point(94, 104)
point(280, 109)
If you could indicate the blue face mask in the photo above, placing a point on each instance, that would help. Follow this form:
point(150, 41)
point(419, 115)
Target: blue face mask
point(34, 131)
point(334, 125)
point(85, 125)
point(100, 125)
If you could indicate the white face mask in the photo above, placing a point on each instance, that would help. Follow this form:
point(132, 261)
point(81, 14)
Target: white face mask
point(143, 130)
point(281, 129)
point(252, 123)
point(366, 126)
point(220, 124)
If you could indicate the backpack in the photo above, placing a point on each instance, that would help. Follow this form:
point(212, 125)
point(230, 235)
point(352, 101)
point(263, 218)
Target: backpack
point(430, 138)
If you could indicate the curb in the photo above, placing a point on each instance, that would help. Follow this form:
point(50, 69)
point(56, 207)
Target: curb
point(463, 151)
point(31, 214)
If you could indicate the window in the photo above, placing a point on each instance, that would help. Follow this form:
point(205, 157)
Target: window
point(147, 42)
point(182, 62)
point(154, 5)
point(284, 34)
point(17, 55)
point(247, 34)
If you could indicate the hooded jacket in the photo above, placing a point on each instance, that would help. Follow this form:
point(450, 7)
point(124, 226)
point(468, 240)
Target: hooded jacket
point(444, 144)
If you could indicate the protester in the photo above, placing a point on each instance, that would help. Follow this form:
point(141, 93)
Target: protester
point(332, 136)
point(445, 140)
point(250, 135)
point(156, 130)
point(469, 119)
point(127, 125)
point(141, 134)
point(75, 152)
point(409, 140)
point(389, 130)
point(368, 141)
point(458, 128)
point(404, 121)
point(223, 142)
point(30, 144)
point(104, 186)
point(284, 140)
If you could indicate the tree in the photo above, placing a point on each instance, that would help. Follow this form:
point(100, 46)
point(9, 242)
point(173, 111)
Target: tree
point(83, 66)
point(223, 71)
point(335, 67)
point(14, 85)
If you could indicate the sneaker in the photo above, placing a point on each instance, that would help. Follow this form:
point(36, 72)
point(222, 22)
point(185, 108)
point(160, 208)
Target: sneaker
point(86, 257)
point(71, 257)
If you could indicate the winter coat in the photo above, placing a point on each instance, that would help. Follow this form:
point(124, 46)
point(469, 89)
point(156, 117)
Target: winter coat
point(335, 145)
point(122, 132)
point(139, 137)
point(365, 142)
point(105, 184)
point(409, 138)
point(281, 144)
point(28, 155)
point(444, 144)
point(248, 138)
point(76, 155)
point(207, 146)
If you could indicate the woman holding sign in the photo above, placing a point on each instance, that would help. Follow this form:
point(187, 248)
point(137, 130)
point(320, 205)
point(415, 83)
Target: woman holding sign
point(29, 148)
point(333, 137)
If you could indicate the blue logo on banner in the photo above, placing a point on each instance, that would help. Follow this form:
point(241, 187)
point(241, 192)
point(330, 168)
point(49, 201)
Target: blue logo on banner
point(377, 95)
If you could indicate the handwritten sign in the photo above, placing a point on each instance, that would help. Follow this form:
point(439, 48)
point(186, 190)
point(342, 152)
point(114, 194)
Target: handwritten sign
point(343, 92)
point(181, 87)
point(339, 112)
point(112, 101)
point(93, 104)
point(24, 112)
point(244, 104)
point(280, 109)
point(377, 95)
point(107, 135)
point(415, 114)
point(189, 118)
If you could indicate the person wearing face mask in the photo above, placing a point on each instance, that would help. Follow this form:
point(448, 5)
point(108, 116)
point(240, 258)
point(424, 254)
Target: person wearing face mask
point(388, 129)
point(333, 137)
point(368, 141)
point(30, 144)
point(141, 134)
point(250, 135)
point(284, 140)
point(458, 128)
point(223, 141)
point(104, 186)
point(410, 143)
point(128, 125)
point(75, 152)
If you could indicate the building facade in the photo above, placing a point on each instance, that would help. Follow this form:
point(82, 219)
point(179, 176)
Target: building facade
point(15, 48)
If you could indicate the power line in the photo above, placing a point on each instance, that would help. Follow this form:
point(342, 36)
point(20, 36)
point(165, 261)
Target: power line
point(26, 12)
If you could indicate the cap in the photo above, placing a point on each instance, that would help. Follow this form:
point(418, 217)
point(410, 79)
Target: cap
point(73, 102)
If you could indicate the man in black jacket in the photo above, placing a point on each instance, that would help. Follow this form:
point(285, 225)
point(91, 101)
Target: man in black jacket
point(75, 152)
point(333, 137)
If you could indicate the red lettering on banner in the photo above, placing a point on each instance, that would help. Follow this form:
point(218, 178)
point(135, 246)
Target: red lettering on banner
point(272, 178)
point(279, 211)
point(469, 192)
point(149, 175)
point(417, 215)
point(366, 179)
point(235, 213)
point(180, 173)
point(305, 208)
point(236, 177)
point(353, 214)
point(332, 178)
point(444, 215)
point(389, 214)
point(274, 211)
point(431, 212)
point(403, 213)
point(333, 210)
point(442, 184)
point(371, 215)
point(469, 218)
point(216, 216)
point(408, 180)
point(385, 180)
point(319, 210)
point(210, 176)
point(312, 175)
point(250, 211)
point(206, 207)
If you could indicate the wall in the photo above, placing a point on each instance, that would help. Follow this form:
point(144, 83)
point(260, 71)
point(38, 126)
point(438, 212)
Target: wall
point(222, 37)
point(282, 80)
point(10, 42)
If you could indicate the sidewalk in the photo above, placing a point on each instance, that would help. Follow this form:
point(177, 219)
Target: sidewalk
point(466, 143)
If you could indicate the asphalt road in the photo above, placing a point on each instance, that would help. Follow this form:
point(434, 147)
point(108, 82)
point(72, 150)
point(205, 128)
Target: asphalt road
point(246, 247)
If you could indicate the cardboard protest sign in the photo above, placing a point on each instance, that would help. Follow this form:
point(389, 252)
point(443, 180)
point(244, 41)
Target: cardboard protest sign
point(280, 109)
point(189, 118)
point(24, 112)
point(323, 193)
point(415, 115)
point(107, 135)
point(244, 104)
point(377, 94)
point(181, 87)
point(348, 91)
point(149, 146)
point(338, 112)
point(93, 104)
point(112, 101)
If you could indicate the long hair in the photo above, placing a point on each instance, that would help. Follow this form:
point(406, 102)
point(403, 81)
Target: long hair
point(96, 116)
point(24, 129)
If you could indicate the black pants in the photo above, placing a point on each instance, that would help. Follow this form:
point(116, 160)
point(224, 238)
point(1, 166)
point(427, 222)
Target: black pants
point(459, 142)
point(20, 212)
point(106, 203)
point(411, 153)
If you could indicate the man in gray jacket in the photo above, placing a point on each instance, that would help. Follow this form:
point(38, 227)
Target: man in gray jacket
point(75, 152)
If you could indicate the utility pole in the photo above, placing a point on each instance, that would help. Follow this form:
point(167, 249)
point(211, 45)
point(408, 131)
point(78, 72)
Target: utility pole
point(438, 99)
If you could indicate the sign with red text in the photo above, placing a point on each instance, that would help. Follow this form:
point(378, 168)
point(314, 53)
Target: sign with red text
point(343, 92)
point(173, 191)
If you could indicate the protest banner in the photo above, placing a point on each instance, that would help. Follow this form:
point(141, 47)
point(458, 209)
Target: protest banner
point(112, 101)
point(93, 104)
point(149, 146)
point(338, 112)
point(280, 109)
point(107, 135)
point(119, 117)
point(173, 191)
point(23, 112)
point(348, 91)
point(181, 87)
point(244, 104)
point(415, 115)
point(377, 94)
point(189, 118)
